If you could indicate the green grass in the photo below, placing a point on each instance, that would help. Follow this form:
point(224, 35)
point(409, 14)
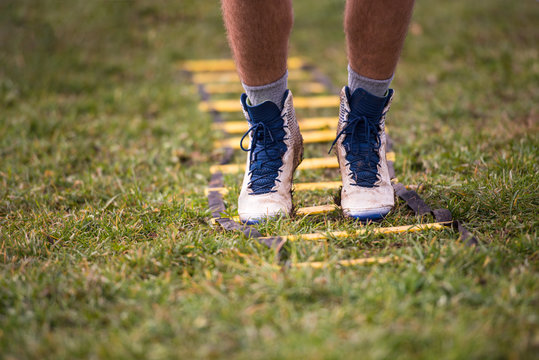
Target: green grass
point(105, 247)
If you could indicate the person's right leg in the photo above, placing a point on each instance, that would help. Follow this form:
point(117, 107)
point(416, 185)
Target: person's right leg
point(258, 32)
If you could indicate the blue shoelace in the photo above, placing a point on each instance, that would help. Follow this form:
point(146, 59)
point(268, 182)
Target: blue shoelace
point(267, 149)
point(362, 144)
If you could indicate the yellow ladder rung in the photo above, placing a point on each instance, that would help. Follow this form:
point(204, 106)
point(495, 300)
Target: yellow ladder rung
point(236, 218)
point(317, 101)
point(232, 77)
point(215, 65)
point(323, 185)
point(345, 263)
point(310, 186)
point(227, 169)
point(346, 234)
point(311, 210)
point(316, 210)
point(220, 190)
point(309, 137)
point(312, 163)
point(299, 102)
point(306, 164)
point(310, 87)
point(238, 127)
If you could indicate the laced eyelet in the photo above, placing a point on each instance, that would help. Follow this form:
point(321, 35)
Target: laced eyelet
point(266, 150)
point(362, 162)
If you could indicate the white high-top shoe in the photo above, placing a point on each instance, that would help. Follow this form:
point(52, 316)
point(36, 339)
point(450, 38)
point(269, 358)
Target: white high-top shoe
point(367, 193)
point(275, 151)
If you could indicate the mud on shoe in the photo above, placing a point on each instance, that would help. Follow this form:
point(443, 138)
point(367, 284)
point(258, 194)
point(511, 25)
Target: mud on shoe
point(275, 151)
point(366, 193)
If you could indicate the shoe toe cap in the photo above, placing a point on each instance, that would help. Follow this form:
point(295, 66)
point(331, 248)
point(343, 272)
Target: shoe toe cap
point(253, 211)
point(366, 203)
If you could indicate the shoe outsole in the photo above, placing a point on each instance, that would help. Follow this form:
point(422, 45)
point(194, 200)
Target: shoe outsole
point(370, 215)
point(255, 220)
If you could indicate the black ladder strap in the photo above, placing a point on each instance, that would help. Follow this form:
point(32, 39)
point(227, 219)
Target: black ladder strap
point(412, 199)
point(416, 203)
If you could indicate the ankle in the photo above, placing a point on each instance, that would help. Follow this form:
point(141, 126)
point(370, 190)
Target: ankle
point(375, 87)
point(273, 92)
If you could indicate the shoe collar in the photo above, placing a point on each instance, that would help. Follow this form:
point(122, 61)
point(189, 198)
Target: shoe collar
point(364, 103)
point(265, 111)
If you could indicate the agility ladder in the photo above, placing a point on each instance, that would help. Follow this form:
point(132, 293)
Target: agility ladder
point(217, 79)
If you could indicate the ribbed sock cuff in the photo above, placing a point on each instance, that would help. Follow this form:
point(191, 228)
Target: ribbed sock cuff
point(273, 92)
point(376, 87)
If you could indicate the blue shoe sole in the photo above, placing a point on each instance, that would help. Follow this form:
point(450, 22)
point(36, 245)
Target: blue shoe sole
point(257, 221)
point(369, 216)
point(252, 222)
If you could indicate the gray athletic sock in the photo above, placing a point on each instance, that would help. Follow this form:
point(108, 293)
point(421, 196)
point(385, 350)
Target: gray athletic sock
point(376, 87)
point(273, 92)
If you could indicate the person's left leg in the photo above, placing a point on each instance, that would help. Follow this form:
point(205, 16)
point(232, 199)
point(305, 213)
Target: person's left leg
point(258, 32)
point(375, 32)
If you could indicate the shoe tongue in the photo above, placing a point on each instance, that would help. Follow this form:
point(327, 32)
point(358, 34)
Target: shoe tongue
point(364, 103)
point(264, 112)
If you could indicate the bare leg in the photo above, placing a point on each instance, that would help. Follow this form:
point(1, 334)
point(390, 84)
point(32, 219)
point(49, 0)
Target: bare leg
point(375, 32)
point(258, 32)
